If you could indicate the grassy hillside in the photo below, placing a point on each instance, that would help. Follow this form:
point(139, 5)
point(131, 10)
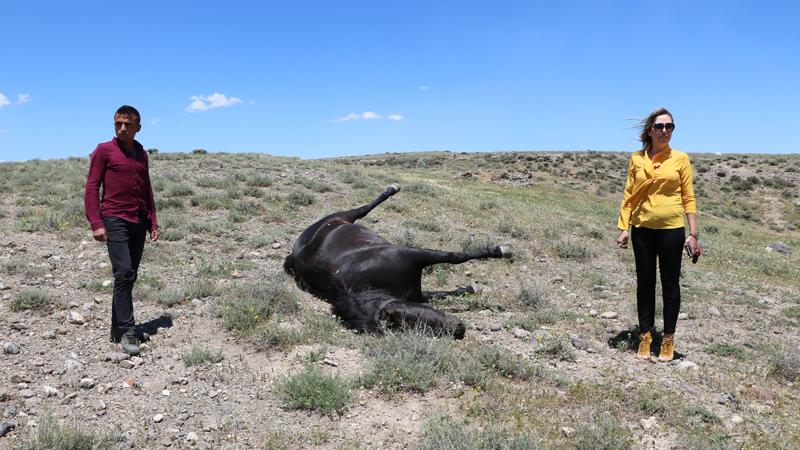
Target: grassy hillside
point(251, 361)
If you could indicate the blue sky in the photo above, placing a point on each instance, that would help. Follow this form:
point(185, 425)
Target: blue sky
point(317, 79)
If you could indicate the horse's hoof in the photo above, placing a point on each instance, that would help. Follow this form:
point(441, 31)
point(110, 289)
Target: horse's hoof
point(505, 251)
point(393, 189)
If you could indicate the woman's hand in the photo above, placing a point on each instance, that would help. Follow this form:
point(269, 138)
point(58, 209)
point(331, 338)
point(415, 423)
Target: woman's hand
point(622, 240)
point(691, 243)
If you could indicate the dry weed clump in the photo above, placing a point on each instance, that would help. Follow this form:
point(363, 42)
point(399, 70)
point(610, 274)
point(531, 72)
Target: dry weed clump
point(315, 390)
point(442, 432)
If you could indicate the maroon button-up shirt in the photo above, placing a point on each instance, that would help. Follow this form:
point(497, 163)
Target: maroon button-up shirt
point(127, 192)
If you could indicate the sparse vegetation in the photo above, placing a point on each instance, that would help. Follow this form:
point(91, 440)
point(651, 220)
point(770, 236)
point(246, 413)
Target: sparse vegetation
point(315, 390)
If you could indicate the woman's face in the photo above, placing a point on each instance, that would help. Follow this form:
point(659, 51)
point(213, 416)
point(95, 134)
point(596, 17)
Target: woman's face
point(661, 131)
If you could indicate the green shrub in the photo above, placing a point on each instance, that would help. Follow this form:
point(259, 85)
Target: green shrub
point(571, 250)
point(728, 350)
point(51, 435)
point(245, 306)
point(170, 297)
point(201, 355)
point(171, 234)
point(301, 198)
point(473, 244)
point(314, 390)
point(199, 289)
point(785, 363)
point(504, 363)
point(601, 431)
point(442, 432)
point(33, 299)
point(177, 190)
point(407, 361)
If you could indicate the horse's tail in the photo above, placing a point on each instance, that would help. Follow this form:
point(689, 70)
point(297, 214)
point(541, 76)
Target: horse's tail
point(288, 264)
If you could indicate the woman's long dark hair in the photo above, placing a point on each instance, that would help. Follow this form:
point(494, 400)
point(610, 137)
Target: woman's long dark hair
point(647, 123)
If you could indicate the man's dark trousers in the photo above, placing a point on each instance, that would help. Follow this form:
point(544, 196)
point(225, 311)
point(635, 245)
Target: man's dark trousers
point(125, 245)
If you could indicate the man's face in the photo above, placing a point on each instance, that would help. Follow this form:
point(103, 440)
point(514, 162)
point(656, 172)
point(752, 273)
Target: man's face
point(126, 127)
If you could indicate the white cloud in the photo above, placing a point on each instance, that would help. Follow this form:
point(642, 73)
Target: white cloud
point(424, 87)
point(3, 101)
point(155, 120)
point(23, 98)
point(367, 115)
point(213, 101)
point(3, 131)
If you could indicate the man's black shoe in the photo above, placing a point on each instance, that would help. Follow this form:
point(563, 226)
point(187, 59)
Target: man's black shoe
point(115, 336)
point(130, 344)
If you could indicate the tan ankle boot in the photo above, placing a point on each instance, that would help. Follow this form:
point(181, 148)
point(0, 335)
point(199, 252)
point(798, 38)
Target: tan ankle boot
point(645, 339)
point(667, 348)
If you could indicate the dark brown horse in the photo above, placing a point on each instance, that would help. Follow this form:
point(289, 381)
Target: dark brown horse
point(369, 281)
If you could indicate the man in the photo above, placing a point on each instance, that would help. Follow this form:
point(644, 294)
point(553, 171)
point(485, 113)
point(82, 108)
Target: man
point(122, 216)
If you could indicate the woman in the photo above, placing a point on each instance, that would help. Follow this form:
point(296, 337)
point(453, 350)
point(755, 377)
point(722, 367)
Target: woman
point(658, 192)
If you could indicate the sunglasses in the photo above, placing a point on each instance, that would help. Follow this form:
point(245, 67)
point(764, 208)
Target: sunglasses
point(661, 126)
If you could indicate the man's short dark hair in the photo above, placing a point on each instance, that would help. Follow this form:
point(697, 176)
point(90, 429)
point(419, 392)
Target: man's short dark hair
point(127, 110)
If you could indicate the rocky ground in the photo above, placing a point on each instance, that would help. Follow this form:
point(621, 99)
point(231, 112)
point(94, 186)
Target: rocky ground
point(734, 384)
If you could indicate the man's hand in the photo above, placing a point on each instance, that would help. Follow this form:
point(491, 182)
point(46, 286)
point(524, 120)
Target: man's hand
point(100, 235)
point(154, 235)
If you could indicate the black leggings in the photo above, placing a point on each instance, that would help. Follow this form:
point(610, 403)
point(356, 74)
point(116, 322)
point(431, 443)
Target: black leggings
point(666, 246)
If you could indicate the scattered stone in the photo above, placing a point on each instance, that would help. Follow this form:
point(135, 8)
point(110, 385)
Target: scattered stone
point(191, 438)
point(26, 393)
point(10, 348)
point(98, 405)
point(276, 245)
point(759, 393)
point(87, 383)
point(49, 335)
point(736, 419)
point(593, 312)
point(683, 316)
point(154, 386)
point(579, 343)
point(136, 361)
point(73, 366)
point(724, 398)
point(5, 395)
point(116, 357)
point(714, 311)
point(75, 318)
point(520, 333)
point(31, 403)
point(236, 274)
point(4, 287)
point(649, 423)
point(126, 364)
point(609, 315)
point(19, 326)
point(779, 247)
point(166, 393)
point(107, 283)
point(6, 427)
point(567, 431)
point(50, 391)
point(495, 327)
point(158, 418)
point(331, 362)
point(687, 365)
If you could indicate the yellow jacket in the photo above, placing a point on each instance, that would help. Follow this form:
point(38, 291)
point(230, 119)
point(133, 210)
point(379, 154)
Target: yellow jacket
point(659, 192)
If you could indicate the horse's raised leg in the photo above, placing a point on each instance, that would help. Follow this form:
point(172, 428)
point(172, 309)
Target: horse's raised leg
point(357, 213)
point(425, 257)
